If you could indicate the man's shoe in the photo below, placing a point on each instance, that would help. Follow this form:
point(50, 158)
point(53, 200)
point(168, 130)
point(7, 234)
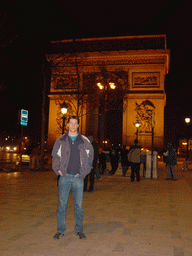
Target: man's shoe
point(174, 179)
point(58, 235)
point(168, 178)
point(81, 235)
point(90, 190)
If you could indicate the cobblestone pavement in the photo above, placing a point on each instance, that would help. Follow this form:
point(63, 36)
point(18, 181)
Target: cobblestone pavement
point(150, 217)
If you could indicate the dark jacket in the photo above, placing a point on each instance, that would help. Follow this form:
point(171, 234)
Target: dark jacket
point(114, 156)
point(124, 157)
point(96, 153)
point(61, 155)
point(171, 156)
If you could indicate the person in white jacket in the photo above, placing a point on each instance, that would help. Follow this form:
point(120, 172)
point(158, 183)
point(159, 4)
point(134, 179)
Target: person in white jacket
point(134, 156)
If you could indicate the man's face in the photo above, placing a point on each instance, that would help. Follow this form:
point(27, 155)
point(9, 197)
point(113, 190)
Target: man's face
point(73, 125)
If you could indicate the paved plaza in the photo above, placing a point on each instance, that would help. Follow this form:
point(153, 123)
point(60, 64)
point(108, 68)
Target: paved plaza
point(150, 217)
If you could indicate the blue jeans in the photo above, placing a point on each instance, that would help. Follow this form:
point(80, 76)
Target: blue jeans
point(65, 184)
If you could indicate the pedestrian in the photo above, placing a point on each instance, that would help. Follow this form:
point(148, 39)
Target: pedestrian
point(102, 161)
point(35, 157)
point(91, 175)
point(124, 160)
point(114, 158)
point(187, 163)
point(72, 160)
point(134, 157)
point(171, 160)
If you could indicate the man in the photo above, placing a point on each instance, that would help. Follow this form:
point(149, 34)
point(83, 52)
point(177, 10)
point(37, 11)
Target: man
point(124, 160)
point(171, 161)
point(72, 160)
point(91, 175)
point(102, 161)
point(187, 162)
point(134, 157)
point(114, 158)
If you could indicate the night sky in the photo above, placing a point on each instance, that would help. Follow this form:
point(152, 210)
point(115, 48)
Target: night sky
point(36, 25)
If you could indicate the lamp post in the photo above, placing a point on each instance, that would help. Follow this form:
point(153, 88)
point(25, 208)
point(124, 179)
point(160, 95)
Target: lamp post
point(187, 121)
point(64, 112)
point(137, 124)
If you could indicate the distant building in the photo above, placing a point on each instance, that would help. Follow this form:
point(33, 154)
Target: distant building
point(111, 83)
point(183, 145)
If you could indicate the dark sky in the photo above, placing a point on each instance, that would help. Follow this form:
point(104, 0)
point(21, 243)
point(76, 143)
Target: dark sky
point(37, 24)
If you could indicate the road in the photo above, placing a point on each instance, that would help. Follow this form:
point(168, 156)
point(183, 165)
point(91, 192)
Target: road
point(7, 160)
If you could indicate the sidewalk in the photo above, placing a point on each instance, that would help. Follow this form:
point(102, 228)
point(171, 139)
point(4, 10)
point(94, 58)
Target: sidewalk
point(151, 217)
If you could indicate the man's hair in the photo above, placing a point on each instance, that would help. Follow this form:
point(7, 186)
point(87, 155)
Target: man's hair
point(135, 141)
point(73, 117)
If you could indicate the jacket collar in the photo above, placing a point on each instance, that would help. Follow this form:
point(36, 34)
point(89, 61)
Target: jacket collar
point(65, 136)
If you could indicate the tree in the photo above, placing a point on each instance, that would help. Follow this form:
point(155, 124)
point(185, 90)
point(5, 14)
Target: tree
point(8, 34)
point(87, 90)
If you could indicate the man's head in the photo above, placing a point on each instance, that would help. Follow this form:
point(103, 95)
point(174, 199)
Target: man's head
point(73, 117)
point(73, 125)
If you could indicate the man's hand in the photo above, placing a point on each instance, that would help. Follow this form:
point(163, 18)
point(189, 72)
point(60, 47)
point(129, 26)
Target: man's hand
point(60, 173)
point(76, 174)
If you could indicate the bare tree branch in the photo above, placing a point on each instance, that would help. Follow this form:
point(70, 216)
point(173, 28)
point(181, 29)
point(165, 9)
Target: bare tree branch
point(7, 33)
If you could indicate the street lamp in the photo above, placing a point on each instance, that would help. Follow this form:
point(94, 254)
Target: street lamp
point(111, 85)
point(187, 121)
point(63, 107)
point(137, 124)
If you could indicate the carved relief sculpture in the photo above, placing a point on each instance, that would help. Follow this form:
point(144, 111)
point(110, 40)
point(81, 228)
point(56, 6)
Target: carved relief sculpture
point(144, 116)
point(145, 79)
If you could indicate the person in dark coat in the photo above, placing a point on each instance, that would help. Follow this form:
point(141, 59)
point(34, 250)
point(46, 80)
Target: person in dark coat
point(124, 160)
point(114, 157)
point(102, 161)
point(171, 161)
point(91, 175)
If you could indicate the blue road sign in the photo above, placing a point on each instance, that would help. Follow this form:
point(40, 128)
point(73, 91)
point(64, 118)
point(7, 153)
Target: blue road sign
point(24, 117)
point(23, 123)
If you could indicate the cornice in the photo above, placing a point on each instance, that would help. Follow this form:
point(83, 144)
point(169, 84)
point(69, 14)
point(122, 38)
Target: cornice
point(108, 38)
point(144, 95)
point(115, 58)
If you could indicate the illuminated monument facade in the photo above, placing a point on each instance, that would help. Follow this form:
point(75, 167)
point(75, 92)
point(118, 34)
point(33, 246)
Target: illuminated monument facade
point(135, 65)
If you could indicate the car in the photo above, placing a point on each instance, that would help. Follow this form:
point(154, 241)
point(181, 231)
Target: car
point(25, 159)
point(12, 148)
point(9, 148)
